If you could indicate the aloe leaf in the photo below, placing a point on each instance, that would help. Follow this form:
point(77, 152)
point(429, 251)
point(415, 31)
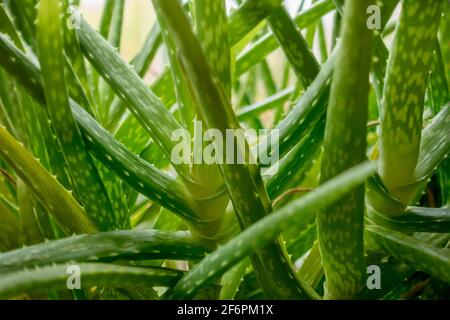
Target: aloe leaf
point(248, 16)
point(130, 87)
point(106, 247)
point(184, 99)
point(267, 77)
point(443, 36)
point(294, 125)
point(300, 159)
point(303, 241)
point(239, 21)
point(54, 158)
point(404, 93)
point(141, 62)
point(10, 229)
point(79, 84)
point(299, 213)
point(114, 37)
point(7, 26)
point(409, 289)
point(232, 280)
point(242, 180)
point(416, 219)
point(30, 227)
point(87, 183)
point(268, 43)
point(393, 273)
point(92, 274)
point(272, 102)
point(344, 147)
point(435, 145)
point(145, 178)
point(111, 26)
point(24, 15)
point(294, 46)
point(58, 201)
point(380, 51)
point(434, 150)
point(420, 255)
point(311, 268)
point(440, 96)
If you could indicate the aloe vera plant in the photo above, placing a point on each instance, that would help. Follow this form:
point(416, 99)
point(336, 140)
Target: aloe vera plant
point(231, 175)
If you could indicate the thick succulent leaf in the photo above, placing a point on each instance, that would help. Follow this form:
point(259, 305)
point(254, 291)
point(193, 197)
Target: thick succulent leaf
point(185, 101)
point(7, 26)
point(440, 97)
point(141, 62)
point(243, 181)
point(268, 43)
point(30, 227)
point(303, 241)
point(232, 279)
point(92, 274)
point(37, 121)
point(420, 255)
point(444, 35)
point(300, 159)
point(111, 24)
point(239, 20)
point(434, 150)
point(300, 213)
point(152, 114)
point(344, 147)
point(114, 37)
point(87, 182)
point(416, 219)
point(303, 116)
point(10, 229)
point(58, 201)
point(78, 82)
point(248, 16)
point(212, 30)
point(24, 15)
point(272, 102)
point(404, 93)
point(294, 46)
point(106, 247)
point(147, 179)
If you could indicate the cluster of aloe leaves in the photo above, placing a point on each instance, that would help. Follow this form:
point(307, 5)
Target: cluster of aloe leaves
point(87, 179)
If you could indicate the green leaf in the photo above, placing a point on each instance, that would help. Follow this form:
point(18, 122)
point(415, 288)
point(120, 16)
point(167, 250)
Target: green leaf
point(272, 102)
point(58, 201)
point(92, 274)
point(232, 280)
point(416, 219)
point(403, 101)
point(152, 114)
point(87, 183)
point(150, 181)
point(106, 247)
point(243, 181)
point(268, 43)
point(299, 213)
point(247, 17)
point(420, 255)
point(344, 147)
point(294, 46)
point(10, 229)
